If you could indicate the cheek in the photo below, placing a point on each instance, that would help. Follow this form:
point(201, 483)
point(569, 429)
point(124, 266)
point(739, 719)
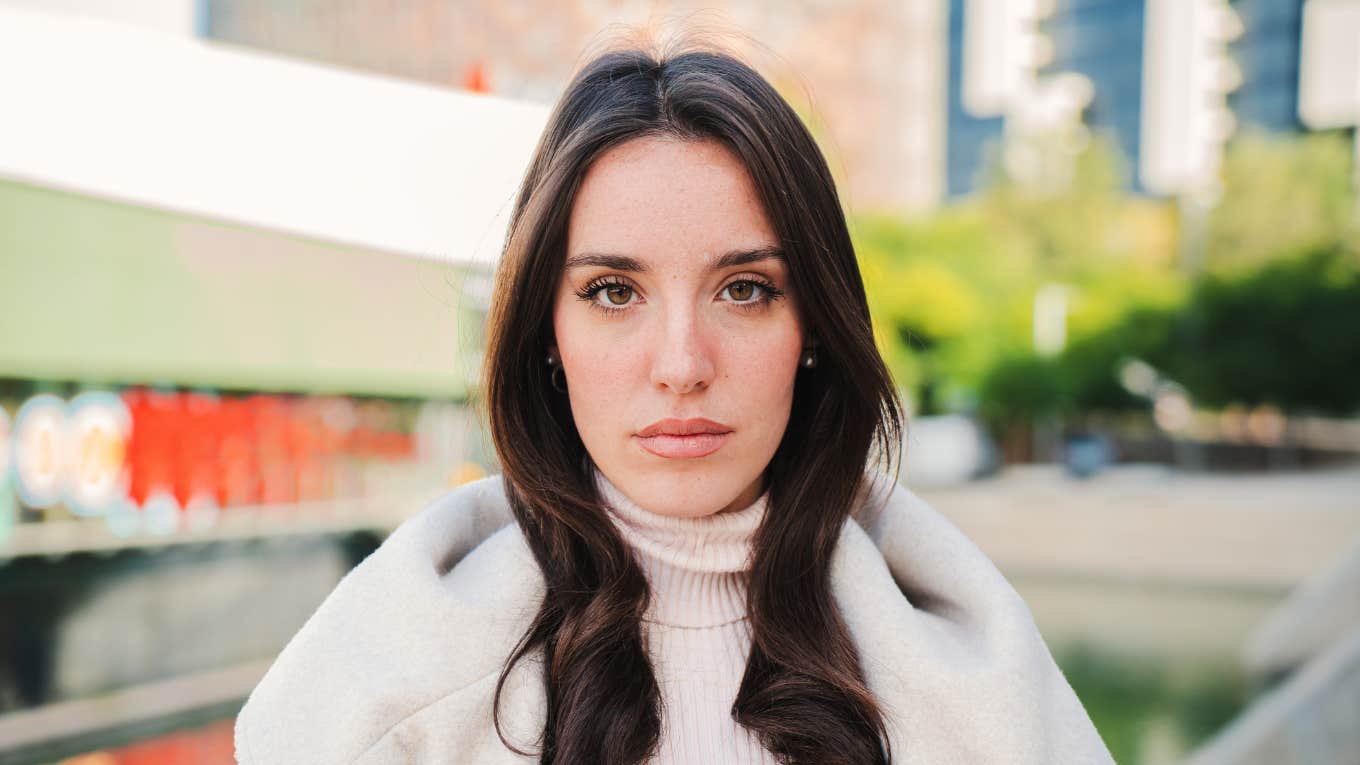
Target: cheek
point(601, 372)
point(762, 369)
point(601, 378)
point(767, 364)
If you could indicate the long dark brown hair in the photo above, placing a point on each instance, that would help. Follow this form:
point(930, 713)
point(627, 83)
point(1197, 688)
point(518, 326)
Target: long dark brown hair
point(803, 693)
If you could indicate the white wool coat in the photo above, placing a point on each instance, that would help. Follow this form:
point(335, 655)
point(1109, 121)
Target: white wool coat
point(399, 663)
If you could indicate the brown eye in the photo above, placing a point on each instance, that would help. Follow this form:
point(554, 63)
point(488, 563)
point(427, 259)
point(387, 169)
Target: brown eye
point(619, 294)
point(743, 291)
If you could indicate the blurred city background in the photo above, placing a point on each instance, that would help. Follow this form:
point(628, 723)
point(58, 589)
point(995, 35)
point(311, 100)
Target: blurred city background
point(1112, 249)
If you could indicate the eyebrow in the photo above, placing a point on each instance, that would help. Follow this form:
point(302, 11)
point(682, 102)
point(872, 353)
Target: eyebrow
point(627, 263)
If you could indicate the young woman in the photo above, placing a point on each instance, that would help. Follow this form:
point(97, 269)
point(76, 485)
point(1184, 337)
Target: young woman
point(696, 552)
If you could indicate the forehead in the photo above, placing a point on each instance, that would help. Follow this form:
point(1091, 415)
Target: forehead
point(666, 199)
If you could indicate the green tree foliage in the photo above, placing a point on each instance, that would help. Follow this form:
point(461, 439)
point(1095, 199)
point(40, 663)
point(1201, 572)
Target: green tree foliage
point(943, 298)
point(1282, 196)
point(1275, 317)
point(1287, 333)
point(1022, 388)
point(1090, 366)
point(1070, 230)
point(953, 294)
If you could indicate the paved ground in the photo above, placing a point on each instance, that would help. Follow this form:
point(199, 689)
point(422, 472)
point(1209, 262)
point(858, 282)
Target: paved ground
point(1154, 560)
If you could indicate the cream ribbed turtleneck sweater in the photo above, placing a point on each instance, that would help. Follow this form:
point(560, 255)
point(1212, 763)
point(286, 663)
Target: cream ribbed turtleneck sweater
point(696, 630)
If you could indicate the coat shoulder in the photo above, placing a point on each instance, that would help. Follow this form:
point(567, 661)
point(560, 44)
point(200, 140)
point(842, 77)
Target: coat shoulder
point(948, 644)
point(929, 557)
point(427, 614)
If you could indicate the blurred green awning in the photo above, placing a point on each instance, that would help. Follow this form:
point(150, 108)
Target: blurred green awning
point(107, 292)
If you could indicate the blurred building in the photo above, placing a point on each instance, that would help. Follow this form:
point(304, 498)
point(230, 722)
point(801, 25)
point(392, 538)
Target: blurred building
point(1170, 81)
point(1268, 54)
point(971, 132)
point(173, 17)
point(934, 92)
point(1104, 43)
point(244, 298)
point(878, 111)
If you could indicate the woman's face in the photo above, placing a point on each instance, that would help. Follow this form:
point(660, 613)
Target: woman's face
point(674, 304)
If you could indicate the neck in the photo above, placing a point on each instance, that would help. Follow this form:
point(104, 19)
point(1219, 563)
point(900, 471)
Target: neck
point(696, 567)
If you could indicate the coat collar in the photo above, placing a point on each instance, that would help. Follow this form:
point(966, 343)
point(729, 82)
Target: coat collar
point(947, 646)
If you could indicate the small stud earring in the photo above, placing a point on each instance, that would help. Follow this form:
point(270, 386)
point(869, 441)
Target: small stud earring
point(809, 358)
point(557, 371)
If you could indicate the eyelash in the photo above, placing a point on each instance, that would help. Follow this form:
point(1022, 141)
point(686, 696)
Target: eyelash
point(768, 293)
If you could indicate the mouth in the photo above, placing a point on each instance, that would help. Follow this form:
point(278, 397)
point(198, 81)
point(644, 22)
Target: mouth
point(684, 439)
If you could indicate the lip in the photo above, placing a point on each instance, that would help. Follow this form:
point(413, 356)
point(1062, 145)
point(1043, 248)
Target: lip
point(674, 427)
point(684, 439)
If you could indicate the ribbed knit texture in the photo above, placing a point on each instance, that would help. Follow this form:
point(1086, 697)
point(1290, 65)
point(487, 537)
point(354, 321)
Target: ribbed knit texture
point(696, 630)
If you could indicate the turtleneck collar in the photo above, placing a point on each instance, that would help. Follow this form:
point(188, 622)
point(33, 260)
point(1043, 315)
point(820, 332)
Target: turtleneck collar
point(697, 567)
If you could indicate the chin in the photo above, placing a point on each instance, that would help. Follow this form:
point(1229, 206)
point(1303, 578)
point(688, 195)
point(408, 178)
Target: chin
point(692, 492)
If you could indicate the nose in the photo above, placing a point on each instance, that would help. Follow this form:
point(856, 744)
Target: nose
point(681, 360)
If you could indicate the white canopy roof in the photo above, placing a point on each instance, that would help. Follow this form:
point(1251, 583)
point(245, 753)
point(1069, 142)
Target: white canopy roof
point(181, 124)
